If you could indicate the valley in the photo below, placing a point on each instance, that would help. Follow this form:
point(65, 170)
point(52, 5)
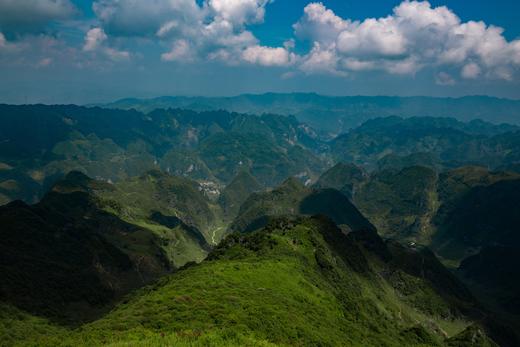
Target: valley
point(214, 228)
point(259, 173)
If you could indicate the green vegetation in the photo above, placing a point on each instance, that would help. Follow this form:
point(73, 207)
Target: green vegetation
point(117, 145)
point(400, 203)
point(139, 256)
point(448, 143)
point(88, 242)
point(343, 177)
point(236, 193)
point(297, 282)
point(293, 198)
point(66, 259)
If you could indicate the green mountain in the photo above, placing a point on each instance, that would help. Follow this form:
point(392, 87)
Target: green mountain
point(494, 274)
point(483, 229)
point(455, 211)
point(40, 144)
point(87, 242)
point(343, 177)
point(398, 162)
point(293, 198)
point(236, 193)
point(176, 209)
point(67, 259)
point(480, 209)
point(400, 203)
point(339, 114)
point(296, 282)
point(190, 233)
point(448, 143)
point(468, 216)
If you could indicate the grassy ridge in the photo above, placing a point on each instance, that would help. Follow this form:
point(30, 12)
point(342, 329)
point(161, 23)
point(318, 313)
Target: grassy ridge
point(297, 282)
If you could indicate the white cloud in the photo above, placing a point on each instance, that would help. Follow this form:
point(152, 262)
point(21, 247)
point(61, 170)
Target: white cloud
point(321, 60)
point(320, 24)
point(267, 56)
point(44, 62)
point(95, 41)
point(181, 51)
point(470, 71)
point(20, 16)
point(444, 79)
point(239, 12)
point(116, 55)
point(415, 36)
point(372, 38)
point(3, 41)
point(35, 51)
point(215, 30)
point(144, 18)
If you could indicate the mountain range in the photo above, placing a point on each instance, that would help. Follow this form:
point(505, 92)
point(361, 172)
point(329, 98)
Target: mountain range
point(214, 228)
point(337, 114)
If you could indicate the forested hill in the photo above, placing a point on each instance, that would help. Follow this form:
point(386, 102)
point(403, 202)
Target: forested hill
point(39, 144)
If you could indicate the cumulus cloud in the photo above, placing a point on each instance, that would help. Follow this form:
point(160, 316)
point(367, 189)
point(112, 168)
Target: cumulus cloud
point(3, 42)
point(239, 12)
point(470, 70)
point(18, 16)
point(181, 51)
point(268, 56)
point(214, 30)
point(415, 36)
point(444, 79)
point(321, 60)
point(145, 18)
point(320, 24)
point(95, 41)
point(35, 51)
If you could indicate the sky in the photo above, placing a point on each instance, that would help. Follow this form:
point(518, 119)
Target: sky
point(90, 51)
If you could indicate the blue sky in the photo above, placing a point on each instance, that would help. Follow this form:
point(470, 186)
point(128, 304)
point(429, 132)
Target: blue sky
point(77, 51)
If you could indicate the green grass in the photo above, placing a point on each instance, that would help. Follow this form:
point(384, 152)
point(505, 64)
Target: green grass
point(282, 286)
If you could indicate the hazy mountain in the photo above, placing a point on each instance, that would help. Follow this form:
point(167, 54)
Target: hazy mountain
point(338, 114)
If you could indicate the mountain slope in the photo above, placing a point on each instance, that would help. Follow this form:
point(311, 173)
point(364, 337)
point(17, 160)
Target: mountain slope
point(269, 288)
point(236, 193)
point(66, 259)
point(468, 207)
point(400, 202)
point(88, 242)
point(468, 216)
point(448, 143)
point(175, 209)
point(343, 177)
point(293, 198)
point(39, 144)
